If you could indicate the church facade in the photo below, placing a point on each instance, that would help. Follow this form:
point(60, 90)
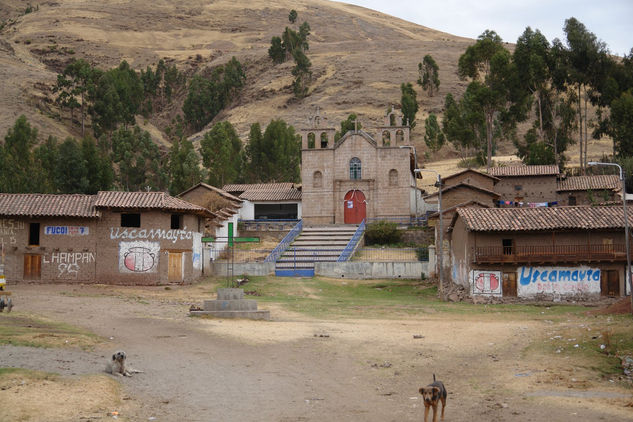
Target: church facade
point(360, 176)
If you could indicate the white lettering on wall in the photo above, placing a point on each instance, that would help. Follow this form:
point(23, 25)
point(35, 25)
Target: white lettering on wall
point(152, 234)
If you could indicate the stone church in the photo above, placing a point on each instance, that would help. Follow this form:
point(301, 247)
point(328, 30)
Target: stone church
point(360, 176)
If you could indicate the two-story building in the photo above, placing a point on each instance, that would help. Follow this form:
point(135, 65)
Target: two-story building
point(554, 252)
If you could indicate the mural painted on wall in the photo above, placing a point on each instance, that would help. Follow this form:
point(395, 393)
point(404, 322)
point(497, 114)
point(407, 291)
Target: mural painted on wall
point(138, 257)
point(485, 282)
point(151, 234)
point(67, 230)
point(197, 250)
point(68, 264)
point(558, 280)
point(9, 229)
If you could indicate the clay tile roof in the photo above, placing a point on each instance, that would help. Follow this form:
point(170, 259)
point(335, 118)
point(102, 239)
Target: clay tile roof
point(512, 171)
point(147, 200)
point(266, 191)
point(256, 186)
point(47, 205)
point(599, 182)
point(535, 219)
point(291, 194)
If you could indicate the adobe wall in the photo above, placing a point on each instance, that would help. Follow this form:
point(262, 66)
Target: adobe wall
point(532, 188)
point(471, 178)
point(587, 197)
point(141, 255)
point(582, 280)
point(67, 250)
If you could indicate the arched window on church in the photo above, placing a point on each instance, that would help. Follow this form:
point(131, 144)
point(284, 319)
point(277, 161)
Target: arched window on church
point(355, 169)
point(386, 138)
point(399, 137)
point(324, 140)
point(393, 177)
point(317, 179)
point(311, 138)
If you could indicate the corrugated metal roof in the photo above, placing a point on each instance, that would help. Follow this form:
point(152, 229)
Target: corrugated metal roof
point(599, 182)
point(47, 205)
point(535, 219)
point(537, 170)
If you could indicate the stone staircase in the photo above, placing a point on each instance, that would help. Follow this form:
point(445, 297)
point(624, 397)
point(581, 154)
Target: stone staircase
point(314, 244)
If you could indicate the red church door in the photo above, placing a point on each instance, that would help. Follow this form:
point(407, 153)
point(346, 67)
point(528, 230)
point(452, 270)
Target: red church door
point(355, 207)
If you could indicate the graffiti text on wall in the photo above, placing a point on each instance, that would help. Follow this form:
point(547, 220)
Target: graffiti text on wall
point(69, 263)
point(8, 228)
point(138, 257)
point(486, 282)
point(153, 234)
point(67, 230)
point(558, 280)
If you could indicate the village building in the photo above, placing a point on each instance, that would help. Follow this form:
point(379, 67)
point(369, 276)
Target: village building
point(524, 186)
point(466, 188)
point(589, 190)
point(559, 252)
point(360, 176)
point(225, 208)
point(267, 201)
point(144, 238)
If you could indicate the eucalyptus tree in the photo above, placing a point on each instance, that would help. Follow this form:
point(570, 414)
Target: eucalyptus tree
point(429, 78)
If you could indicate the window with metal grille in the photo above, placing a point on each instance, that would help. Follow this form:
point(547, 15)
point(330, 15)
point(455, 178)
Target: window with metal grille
point(355, 169)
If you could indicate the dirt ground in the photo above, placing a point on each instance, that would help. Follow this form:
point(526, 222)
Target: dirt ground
point(298, 368)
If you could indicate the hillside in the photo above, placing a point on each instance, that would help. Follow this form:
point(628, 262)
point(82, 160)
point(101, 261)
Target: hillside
point(359, 56)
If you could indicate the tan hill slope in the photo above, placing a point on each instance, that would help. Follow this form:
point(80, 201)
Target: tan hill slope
point(359, 56)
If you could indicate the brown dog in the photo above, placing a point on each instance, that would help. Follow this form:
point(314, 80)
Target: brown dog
point(433, 393)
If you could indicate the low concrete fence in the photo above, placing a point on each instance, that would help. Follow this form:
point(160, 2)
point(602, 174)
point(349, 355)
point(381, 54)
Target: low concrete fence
point(247, 268)
point(366, 270)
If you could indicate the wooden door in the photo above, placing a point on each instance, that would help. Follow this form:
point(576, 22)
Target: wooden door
point(610, 283)
point(509, 284)
point(32, 267)
point(355, 207)
point(175, 266)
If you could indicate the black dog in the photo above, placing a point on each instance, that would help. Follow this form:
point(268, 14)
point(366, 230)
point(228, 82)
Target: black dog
point(433, 393)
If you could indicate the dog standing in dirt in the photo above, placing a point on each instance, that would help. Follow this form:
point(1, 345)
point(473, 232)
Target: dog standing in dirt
point(432, 394)
point(117, 365)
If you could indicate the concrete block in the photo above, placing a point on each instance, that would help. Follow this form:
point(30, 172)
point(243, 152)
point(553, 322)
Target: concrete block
point(229, 305)
point(230, 294)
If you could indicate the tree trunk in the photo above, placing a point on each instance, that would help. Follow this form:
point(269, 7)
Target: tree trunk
point(584, 163)
point(489, 118)
point(582, 170)
point(540, 116)
point(82, 115)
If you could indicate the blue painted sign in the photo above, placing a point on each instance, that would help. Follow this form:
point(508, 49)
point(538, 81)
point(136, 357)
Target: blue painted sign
point(66, 230)
point(558, 280)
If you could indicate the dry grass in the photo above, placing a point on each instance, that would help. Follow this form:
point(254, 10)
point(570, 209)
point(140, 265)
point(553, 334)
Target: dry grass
point(37, 396)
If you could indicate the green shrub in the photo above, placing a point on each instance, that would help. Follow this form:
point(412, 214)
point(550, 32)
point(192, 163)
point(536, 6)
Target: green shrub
point(382, 233)
point(422, 253)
